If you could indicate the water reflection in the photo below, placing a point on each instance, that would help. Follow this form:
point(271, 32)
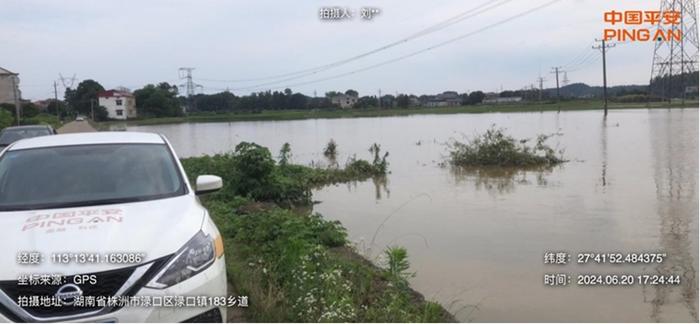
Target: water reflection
point(501, 180)
point(604, 146)
point(674, 150)
point(381, 185)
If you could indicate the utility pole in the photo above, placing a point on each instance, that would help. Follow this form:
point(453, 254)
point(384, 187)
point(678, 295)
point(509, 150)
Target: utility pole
point(602, 47)
point(92, 109)
point(556, 71)
point(380, 98)
point(55, 101)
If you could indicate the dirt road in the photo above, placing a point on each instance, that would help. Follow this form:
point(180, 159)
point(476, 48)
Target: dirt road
point(76, 127)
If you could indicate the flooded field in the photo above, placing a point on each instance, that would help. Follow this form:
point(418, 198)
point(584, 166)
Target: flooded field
point(477, 238)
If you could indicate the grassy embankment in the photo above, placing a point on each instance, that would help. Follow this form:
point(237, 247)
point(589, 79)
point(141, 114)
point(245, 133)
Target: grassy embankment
point(374, 112)
point(299, 267)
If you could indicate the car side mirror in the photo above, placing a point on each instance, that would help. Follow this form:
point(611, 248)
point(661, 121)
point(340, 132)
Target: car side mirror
point(208, 183)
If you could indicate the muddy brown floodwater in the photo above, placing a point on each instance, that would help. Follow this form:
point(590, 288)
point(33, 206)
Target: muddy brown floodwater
point(477, 238)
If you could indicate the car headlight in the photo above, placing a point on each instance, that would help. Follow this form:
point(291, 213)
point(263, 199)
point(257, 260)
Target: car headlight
point(195, 256)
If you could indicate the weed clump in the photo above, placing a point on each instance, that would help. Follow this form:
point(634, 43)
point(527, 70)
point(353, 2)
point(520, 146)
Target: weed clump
point(285, 154)
point(331, 150)
point(495, 148)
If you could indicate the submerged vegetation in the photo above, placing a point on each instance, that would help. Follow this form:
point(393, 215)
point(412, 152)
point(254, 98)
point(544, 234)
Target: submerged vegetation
point(252, 173)
point(495, 148)
point(331, 149)
point(298, 267)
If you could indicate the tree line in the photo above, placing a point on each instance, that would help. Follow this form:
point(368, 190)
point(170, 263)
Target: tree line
point(164, 100)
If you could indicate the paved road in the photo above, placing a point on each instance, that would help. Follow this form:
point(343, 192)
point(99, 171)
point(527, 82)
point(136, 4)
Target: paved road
point(76, 127)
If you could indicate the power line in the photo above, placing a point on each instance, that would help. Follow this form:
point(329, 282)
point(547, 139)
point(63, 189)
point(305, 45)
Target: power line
point(583, 60)
point(578, 57)
point(484, 7)
point(403, 57)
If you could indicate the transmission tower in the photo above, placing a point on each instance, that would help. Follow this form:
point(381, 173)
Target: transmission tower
point(67, 82)
point(675, 60)
point(190, 87)
point(541, 81)
point(186, 73)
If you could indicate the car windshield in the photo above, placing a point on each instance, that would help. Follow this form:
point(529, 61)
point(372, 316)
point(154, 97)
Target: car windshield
point(11, 135)
point(68, 176)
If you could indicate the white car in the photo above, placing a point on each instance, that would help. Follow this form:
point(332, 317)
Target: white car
point(111, 217)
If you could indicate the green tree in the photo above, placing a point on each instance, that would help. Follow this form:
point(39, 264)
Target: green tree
point(367, 102)
point(351, 92)
point(331, 94)
point(9, 108)
point(56, 105)
point(403, 101)
point(29, 110)
point(476, 97)
point(84, 96)
point(6, 119)
point(158, 100)
point(101, 113)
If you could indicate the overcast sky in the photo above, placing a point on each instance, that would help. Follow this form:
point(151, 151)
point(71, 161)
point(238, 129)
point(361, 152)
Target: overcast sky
point(132, 43)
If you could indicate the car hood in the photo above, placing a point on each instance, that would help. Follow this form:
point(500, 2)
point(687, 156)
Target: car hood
point(156, 228)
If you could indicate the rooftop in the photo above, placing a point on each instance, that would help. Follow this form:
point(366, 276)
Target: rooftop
point(113, 93)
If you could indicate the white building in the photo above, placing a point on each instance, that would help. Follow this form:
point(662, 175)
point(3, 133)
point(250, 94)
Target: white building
point(344, 101)
point(502, 100)
point(9, 83)
point(120, 104)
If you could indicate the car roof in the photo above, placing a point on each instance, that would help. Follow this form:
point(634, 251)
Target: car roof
point(90, 138)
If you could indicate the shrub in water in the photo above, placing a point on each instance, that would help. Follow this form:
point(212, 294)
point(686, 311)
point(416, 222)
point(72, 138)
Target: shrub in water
point(494, 148)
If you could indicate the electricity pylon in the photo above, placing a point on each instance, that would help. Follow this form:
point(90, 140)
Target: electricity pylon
point(675, 60)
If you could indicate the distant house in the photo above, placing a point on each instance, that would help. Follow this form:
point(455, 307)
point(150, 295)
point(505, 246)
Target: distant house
point(501, 100)
point(120, 104)
point(445, 99)
point(9, 82)
point(344, 101)
point(413, 101)
point(43, 105)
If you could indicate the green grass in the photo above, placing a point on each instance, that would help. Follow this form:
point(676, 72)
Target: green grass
point(43, 119)
point(573, 105)
point(297, 266)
